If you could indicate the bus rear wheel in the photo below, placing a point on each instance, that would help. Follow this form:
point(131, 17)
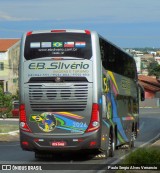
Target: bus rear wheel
point(111, 146)
point(131, 143)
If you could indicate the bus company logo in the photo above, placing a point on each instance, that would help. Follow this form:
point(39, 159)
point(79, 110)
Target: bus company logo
point(61, 65)
point(46, 121)
point(57, 79)
point(58, 65)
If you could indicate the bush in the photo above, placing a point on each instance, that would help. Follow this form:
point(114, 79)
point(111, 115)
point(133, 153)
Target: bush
point(5, 103)
point(142, 156)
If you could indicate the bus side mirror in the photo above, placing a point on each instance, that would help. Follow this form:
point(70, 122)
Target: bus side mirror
point(141, 92)
point(142, 96)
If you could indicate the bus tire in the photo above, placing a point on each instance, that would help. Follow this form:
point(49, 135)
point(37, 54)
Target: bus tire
point(132, 139)
point(136, 131)
point(111, 145)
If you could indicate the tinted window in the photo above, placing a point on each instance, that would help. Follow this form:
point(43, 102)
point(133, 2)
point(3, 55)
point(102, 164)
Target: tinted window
point(116, 60)
point(58, 45)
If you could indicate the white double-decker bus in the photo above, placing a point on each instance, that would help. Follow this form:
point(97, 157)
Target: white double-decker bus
point(78, 91)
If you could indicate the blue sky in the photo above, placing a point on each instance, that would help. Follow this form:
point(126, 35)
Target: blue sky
point(124, 22)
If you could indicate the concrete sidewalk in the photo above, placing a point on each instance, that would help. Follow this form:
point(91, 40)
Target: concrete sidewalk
point(156, 144)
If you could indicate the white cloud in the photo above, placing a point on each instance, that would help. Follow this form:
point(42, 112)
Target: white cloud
point(8, 17)
point(84, 10)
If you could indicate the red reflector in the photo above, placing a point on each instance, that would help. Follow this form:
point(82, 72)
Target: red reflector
point(87, 32)
point(92, 143)
point(36, 140)
point(58, 30)
point(80, 140)
point(25, 143)
point(29, 33)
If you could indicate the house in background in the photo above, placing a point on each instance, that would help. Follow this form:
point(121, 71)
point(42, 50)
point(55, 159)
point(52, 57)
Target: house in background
point(157, 59)
point(9, 57)
point(151, 86)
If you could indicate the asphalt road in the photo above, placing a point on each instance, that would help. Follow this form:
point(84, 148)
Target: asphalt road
point(9, 121)
point(10, 152)
point(149, 126)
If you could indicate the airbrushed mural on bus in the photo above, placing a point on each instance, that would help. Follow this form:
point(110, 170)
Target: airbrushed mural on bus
point(78, 92)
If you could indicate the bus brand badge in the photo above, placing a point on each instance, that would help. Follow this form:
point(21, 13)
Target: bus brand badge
point(57, 79)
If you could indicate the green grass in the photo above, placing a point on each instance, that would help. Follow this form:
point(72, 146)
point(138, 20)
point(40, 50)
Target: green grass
point(142, 156)
point(7, 128)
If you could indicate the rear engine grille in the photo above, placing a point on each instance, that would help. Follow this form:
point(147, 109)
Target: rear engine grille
point(52, 99)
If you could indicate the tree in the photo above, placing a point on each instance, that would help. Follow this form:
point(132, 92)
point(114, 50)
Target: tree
point(1, 96)
point(154, 69)
point(16, 96)
point(5, 103)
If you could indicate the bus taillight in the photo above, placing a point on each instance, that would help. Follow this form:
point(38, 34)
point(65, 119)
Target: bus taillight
point(59, 30)
point(23, 119)
point(29, 33)
point(87, 32)
point(94, 122)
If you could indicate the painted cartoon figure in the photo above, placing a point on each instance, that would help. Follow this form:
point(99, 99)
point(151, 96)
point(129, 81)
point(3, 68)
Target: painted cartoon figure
point(46, 121)
point(49, 121)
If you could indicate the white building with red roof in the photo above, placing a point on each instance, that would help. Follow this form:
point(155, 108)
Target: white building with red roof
point(151, 86)
point(9, 57)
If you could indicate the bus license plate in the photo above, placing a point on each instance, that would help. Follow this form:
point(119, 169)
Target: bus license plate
point(59, 144)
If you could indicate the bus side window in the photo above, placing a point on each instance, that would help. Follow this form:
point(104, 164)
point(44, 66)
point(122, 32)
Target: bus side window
point(102, 53)
point(117, 61)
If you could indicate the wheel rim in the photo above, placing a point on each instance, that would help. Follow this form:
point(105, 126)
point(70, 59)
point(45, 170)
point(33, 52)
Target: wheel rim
point(111, 147)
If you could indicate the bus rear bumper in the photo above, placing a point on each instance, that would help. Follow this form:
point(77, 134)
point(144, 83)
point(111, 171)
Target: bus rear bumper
point(87, 141)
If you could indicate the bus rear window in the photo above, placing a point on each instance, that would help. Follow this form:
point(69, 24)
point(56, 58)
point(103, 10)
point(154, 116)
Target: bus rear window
point(58, 45)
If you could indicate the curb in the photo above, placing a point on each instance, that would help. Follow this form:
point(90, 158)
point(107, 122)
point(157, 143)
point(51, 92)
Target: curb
point(151, 143)
point(9, 119)
point(10, 133)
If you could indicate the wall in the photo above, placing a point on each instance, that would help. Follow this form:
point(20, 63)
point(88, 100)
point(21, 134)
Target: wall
point(138, 63)
point(9, 76)
point(4, 73)
point(155, 102)
point(13, 59)
point(149, 94)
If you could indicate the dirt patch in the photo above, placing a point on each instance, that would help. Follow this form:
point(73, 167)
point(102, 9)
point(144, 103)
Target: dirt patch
point(9, 137)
